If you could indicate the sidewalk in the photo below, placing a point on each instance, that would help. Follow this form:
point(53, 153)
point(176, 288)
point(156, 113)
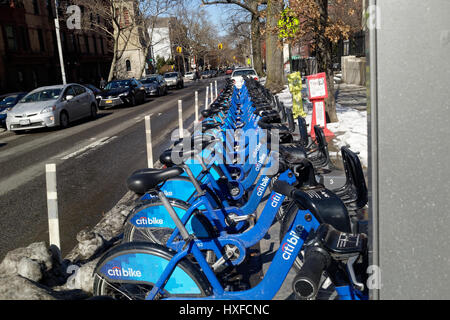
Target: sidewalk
point(351, 106)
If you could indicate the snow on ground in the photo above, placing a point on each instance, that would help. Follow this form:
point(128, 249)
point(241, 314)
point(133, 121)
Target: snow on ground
point(351, 130)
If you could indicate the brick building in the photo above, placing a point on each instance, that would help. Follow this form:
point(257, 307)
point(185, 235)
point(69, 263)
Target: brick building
point(28, 49)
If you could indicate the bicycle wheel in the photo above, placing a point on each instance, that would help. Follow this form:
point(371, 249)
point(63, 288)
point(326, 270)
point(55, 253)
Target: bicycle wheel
point(154, 211)
point(129, 272)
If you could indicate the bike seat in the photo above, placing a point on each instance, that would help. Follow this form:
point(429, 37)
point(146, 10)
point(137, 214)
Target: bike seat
point(270, 113)
point(166, 158)
point(341, 243)
point(145, 180)
point(326, 206)
point(291, 153)
point(209, 112)
point(198, 142)
point(210, 125)
point(283, 130)
point(259, 110)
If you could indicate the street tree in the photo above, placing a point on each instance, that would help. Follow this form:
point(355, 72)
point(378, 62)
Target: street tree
point(197, 36)
point(274, 53)
point(253, 7)
point(126, 23)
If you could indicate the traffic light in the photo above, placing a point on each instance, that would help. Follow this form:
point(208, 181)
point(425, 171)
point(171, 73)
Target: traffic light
point(179, 49)
point(220, 46)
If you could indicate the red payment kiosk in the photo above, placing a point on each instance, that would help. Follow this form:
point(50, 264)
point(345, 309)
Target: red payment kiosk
point(318, 92)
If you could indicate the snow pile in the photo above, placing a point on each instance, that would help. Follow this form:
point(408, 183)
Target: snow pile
point(351, 130)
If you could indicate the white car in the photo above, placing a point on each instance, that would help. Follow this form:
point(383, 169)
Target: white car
point(239, 73)
point(189, 75)
point(51, 107)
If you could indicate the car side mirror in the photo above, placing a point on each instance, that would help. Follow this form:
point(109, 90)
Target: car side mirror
point(69, 97)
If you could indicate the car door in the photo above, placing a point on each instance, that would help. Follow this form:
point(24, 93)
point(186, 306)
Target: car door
point(70, 105)
point(140, 91)
point(83, 101)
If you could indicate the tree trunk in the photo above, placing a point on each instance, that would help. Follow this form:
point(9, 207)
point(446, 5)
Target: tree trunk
point(274, 55)
point(112, 69)
point(256, 40)
point(324, 61)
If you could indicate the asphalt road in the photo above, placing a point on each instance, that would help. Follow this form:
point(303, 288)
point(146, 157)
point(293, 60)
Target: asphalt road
point(93, 160)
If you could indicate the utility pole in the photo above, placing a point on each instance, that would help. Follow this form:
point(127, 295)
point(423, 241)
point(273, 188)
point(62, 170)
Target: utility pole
point(58, 40)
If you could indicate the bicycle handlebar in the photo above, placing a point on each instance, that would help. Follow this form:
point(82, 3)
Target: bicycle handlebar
point(306, 283)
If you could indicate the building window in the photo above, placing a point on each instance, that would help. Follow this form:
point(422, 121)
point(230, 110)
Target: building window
point(41, 40)
point(11, 39)
point(36, 7)
point(128, 65)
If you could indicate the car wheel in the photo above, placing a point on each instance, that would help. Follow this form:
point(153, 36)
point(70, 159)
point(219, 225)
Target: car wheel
point(132, 101)
point(93, 111)
point(63, 120)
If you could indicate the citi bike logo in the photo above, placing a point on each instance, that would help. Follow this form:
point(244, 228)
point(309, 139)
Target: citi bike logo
point(255, 153)
point(124, 272)
point(276, 198)
point(289, 246)
point(148, 221)
point(260, 162)
point(262, 187)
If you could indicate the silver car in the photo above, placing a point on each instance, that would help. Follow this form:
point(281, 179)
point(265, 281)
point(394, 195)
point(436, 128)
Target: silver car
point(174, 79)
point(51, 107)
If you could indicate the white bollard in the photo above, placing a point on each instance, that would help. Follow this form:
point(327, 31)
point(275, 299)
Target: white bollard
point(196, 106)
point(180, 118)
point(52, 205)
point(148, 138)
point(206, 98)
point(211, 88)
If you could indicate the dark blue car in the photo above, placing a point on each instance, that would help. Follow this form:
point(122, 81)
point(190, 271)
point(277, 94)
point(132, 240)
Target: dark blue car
point(7, 101)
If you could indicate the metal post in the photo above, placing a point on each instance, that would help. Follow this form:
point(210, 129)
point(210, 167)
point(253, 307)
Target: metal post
point(52, 205)
point(211, 92)
point(148, 135)
point(180, 118)
point(206, 98)
point(196, 106)
point(58, 40)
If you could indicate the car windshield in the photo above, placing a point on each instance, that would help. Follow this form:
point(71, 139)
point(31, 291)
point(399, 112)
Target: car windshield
point(244, 73)
point(170, 75)
point(8, 100)
point(42, 95)
point(150, 80)
point(118, 84)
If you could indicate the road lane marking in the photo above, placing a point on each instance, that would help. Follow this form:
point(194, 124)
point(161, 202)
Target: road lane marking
point(84, 149)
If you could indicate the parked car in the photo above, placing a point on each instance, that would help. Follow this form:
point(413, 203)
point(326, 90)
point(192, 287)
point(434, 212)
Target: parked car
point(7, 102)
point(94, 89)
point(206, 74)
point(119, 92)
point(51, 107)
point(239, 73)
point(191, 75)
point(155, 85)
point(174, 80)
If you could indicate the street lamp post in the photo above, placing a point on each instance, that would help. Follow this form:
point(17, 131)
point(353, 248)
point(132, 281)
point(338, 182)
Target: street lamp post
point(58, 40)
